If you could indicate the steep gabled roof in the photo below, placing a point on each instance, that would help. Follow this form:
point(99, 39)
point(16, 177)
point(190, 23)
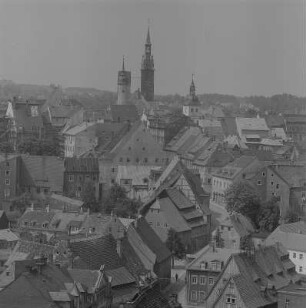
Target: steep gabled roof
point(87, 164)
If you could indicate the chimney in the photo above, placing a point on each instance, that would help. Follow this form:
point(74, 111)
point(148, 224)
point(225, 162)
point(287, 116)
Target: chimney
point(48, 208)
point(119, 248)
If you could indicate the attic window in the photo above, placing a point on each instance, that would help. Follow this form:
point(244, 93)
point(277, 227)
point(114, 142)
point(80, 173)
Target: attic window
point(258, 182)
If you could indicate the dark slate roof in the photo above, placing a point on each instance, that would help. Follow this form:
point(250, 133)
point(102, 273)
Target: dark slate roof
point(97, 251)
point(120, 276)
point(151, 239)
point(87, 164)
point(32, 290)
point(229, 126)
point(39, 217)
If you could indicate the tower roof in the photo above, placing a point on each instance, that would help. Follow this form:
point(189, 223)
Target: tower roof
point(148, 40)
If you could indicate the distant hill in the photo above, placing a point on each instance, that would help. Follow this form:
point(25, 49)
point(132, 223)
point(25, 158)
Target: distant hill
point(91, 98)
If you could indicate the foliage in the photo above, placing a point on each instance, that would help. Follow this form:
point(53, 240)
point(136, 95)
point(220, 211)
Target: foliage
point(89, 197)
point(246, 243)
point(269, 215)
point(174, 244)
point(240, 197)
point(291, 216)
point(51, 147)
point(118, 203)
point(6, 147)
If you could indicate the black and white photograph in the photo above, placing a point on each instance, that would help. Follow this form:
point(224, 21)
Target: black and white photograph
point(152, 153)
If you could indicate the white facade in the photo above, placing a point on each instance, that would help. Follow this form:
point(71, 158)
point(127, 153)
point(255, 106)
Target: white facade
point(299, 260)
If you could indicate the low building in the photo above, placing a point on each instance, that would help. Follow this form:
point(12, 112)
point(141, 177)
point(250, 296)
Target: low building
point(293, 296)
point(293, 238)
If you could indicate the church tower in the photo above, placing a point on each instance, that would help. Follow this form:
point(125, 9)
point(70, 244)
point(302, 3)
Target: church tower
point(124, 85)
point(147, 71)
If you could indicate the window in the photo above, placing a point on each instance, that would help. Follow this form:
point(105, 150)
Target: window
point(193, 295)
point(229, 228)
point(7, 181)
point(210, 281)
point(121, 159)
point(301, 256)
point(231, 299)
point(202, 280)
point(287, 302)
point(112, 181)
point(156, 160)
point(272, 183)
point(277, 186)
point(71, 178)
point(300, 269)
point(201, 296)
point(294, 255)
point(258, 182)
point(7, 192)
point(127, 160)
point(45, 225)
point(79, 188)
point(7, 172)
point(165, 225)
point(7, 164)
point(145, 160)
point(113, 169)
point(194, 279)
point(263, 174)
point(157, 224)
point(143, 148)
point(214, 266)
point(33, 223)
point(272, 174)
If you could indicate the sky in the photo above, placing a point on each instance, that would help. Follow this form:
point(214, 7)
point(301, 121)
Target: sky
point(240, 47)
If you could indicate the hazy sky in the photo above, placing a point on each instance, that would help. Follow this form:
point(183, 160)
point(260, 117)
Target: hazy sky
point(241, 47)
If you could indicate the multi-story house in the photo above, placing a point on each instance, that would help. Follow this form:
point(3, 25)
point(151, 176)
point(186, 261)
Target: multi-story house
point(233, 172)
point(253, 278)
point(171, 209)
point(293, 238)
point(233, 229)
point(203, 272)
point(25, 121)
point(80, 172)
point(295, 125)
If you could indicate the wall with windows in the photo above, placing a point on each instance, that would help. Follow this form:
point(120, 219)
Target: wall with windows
point(299, 260)
point(219, 186)
point(199, 284)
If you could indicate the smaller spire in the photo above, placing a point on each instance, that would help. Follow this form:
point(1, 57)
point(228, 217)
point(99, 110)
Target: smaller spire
point(148, 40)
point(192, 88)
point(123, 68)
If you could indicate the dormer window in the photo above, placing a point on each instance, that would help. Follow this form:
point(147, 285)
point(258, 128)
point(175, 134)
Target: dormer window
point(45, 225)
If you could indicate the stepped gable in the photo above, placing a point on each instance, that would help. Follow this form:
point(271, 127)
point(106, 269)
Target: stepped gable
point(96, 251)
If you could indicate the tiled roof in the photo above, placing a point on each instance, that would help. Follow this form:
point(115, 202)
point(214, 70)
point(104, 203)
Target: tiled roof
point(251, 124)
point(265, 268)
point(151, 239)
point(64, 203)
point(46, 170)
point(62, 220)
point(79, 128)
point(97, 251)
point(99, 222)
point(32, 290)
point(81, 164)
point(291, 236)
point(88, 278)
point(120, 276)
point(39, 217)
point(8, 235)
point(208, 254)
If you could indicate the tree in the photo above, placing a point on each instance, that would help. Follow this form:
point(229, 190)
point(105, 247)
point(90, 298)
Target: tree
point(269, 215)
point(240, 197)
point(291, 216)
point(89, 197)
point(174, 244)
point(118, 203)
point(41, 147)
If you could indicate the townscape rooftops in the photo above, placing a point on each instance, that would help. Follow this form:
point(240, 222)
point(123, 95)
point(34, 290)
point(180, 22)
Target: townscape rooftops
point(120, 276)
point(251, 124)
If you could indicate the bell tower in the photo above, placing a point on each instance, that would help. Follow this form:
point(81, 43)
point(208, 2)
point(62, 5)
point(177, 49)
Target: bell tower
point(124, 85)
point(147, 71)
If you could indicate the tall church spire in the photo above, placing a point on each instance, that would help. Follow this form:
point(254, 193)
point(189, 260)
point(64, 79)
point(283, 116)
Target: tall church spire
point(192, 90)
point(147, 70)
